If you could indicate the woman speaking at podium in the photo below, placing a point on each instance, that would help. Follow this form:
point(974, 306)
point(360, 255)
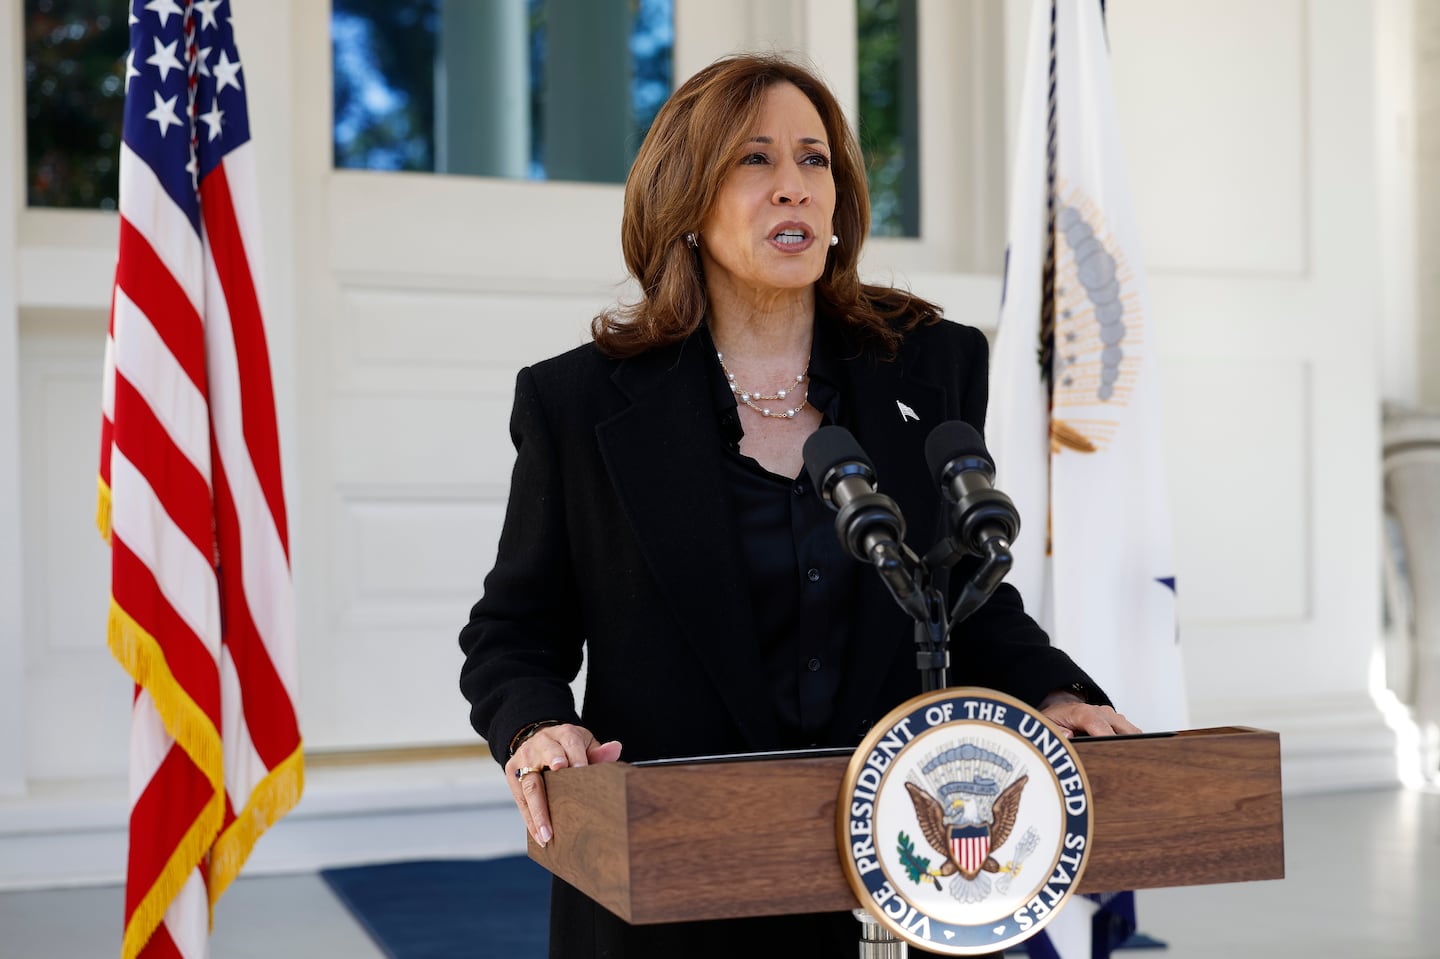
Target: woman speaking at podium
point(660, 520)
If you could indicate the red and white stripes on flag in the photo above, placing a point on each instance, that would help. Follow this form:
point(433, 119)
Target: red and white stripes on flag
point(191, 499)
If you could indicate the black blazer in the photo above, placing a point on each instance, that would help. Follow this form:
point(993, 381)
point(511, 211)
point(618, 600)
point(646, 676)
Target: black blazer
point(620, 537)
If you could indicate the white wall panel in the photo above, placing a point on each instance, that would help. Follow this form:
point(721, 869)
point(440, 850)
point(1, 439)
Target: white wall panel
point(421, 379)
point(536, 236)
point(61, 447)
point(1214, 104)
point(67, 258)
point(410, 562)
point(414, 700)
point(59, 277)
point(77, 696)
point(407, 571)
point(1237, 450)
point(418, 383)
point(1342, 338)
point(439, 331)
point(417, 439)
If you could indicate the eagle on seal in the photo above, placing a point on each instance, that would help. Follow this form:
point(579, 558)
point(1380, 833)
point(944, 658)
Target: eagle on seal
point(963, 840)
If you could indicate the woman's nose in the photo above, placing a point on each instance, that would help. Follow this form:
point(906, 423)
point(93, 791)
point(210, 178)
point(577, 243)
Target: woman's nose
point(790, 189)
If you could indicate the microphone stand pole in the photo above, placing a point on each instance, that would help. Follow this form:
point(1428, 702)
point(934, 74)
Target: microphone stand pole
point(910, 582)
point(932, 641)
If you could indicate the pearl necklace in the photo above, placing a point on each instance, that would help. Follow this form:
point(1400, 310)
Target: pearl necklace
point(748, 397)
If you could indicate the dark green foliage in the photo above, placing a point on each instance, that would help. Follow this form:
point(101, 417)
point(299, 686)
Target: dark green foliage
point(74, 101)
point(879, 65)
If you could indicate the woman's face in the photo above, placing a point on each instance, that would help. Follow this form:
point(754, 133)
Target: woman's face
point(771, 224)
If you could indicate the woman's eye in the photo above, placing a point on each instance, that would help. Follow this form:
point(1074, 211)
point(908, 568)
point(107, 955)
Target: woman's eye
point(817, 159)
point(754, 158)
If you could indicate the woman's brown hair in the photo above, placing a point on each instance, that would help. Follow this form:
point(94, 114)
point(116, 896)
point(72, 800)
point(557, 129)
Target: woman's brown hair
point(674, 182)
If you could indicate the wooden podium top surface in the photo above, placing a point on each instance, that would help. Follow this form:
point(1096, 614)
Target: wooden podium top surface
point(715, 840)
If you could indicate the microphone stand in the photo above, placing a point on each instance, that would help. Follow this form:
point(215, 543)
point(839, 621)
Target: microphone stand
point(993, 569)
point(911, 583)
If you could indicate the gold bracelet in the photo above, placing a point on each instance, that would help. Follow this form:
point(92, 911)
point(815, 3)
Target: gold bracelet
point(527, 731)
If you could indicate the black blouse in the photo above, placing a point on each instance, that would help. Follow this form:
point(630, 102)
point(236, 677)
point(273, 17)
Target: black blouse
point(802, 582)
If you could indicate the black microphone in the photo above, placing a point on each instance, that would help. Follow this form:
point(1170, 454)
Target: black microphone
point(869, 523)
point(981, 518)
point(845, 478)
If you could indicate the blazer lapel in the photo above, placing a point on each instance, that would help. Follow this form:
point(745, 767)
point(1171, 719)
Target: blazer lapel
point(891, 413)
point(664, 459)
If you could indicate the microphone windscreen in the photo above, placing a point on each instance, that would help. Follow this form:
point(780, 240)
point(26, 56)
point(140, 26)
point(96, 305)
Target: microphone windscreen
point(948, 442)
point(827, 448)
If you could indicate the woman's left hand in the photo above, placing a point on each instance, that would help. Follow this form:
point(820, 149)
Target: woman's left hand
point(1074, 716)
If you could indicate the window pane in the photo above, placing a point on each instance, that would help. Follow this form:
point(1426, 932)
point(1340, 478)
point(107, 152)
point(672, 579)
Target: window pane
point(539, 89)
point(889, 114)
point(74, 101)
point(384, 64)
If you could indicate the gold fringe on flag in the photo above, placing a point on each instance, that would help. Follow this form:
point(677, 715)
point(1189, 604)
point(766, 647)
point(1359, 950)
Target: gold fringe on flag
point(184, 720)
point(193, 731)
point(191, 850)
point(273, 797)
point(102, 509)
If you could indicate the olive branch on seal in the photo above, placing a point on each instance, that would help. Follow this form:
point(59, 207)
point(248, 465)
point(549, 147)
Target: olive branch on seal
point(915, 866)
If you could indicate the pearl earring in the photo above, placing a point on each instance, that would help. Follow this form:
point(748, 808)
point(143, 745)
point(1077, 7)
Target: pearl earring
point(834, 239)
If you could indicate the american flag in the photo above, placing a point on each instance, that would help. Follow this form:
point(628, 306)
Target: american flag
point(191, 500)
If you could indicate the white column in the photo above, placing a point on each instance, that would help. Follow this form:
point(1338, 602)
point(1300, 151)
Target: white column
point(482, 88)
point(587, 91)
point(830, 40)
point(1397, 89)
point(1426, 87)
point(12, 198)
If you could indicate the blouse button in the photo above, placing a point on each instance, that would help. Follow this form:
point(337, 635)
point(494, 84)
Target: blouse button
point(813, 575)
point(814, 665)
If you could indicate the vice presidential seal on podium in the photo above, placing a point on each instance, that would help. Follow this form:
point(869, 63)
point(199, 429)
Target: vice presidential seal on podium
point(964, 821)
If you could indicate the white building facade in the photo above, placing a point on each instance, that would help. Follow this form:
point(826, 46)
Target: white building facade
point(1272, 150)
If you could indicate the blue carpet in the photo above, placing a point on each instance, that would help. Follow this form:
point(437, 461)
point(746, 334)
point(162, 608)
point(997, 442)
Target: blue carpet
point(445, 909)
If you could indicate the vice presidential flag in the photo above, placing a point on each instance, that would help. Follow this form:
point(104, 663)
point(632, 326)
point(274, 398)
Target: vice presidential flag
point(1076, 421)
point(191, 500)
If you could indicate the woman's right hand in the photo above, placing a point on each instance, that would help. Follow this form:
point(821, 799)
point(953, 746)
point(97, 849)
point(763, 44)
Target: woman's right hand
point(551, 747)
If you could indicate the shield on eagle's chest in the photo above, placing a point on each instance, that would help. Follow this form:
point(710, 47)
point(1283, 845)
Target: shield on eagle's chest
point(969, 847)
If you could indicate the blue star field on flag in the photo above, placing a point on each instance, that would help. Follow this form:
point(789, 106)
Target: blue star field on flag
point(185, 96)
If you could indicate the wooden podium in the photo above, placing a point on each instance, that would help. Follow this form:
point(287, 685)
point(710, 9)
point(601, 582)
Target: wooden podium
point(673, 843)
